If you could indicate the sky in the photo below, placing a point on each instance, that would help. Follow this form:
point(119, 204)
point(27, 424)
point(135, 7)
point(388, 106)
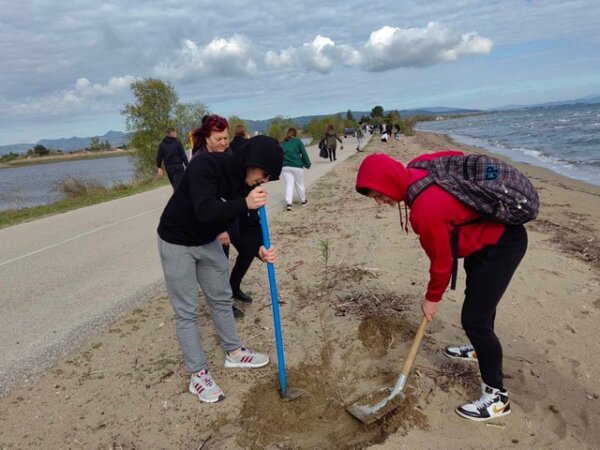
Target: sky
point(67, 66)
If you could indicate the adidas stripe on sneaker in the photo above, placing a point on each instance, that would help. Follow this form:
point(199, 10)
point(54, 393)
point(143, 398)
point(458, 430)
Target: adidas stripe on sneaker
point(246, 358)
point(202, 385)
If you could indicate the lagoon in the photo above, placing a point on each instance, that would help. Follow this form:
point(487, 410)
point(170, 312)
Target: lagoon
point(27, 186)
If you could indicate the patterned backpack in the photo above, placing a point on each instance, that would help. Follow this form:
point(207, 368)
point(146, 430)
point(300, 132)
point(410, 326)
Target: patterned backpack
point(493, 188)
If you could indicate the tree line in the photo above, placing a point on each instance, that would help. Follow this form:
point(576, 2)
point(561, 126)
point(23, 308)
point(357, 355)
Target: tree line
point(156, 108)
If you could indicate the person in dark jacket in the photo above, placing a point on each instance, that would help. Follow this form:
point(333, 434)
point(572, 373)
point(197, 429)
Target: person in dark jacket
point(215, 190)
point(239, 137)
point(212, 136)
point(492, 253)
point(172, 153)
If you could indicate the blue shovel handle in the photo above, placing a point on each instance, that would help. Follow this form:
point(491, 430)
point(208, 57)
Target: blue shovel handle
point(274, 302)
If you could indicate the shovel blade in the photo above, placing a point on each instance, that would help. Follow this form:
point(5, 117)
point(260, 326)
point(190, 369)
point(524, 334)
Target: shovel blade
point(292, 394)
point(375, 405)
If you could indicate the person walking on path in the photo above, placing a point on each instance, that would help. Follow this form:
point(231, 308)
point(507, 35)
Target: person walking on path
point(216, 189)
point(330, 139)
point(492, 252)
point(359, 137)
point(240, 135)
point(172, 153)
point(295, 159)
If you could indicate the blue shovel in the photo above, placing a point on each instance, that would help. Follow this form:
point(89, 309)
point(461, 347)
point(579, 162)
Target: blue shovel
point(285, 394)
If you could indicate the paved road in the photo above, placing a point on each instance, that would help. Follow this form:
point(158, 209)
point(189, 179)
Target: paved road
point(63, 276)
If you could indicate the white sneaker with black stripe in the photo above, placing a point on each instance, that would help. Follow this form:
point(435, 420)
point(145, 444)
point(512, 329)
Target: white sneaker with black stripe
point(463, 352)
point(205, 387)
point(246, 358)
point(492, 404)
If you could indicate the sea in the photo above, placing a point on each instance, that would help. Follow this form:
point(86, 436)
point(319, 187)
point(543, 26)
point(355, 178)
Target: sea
point(564, 139)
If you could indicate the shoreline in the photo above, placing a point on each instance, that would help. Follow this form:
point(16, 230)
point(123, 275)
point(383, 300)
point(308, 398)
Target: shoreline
point(525, 159)
point(63, 158)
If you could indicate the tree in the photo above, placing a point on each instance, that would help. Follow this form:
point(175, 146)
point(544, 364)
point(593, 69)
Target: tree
point(377, 112)
point(95, 144)
point(148, 118)
point(234, 121)
point(279, 126)
point(187, 117)
point(349, 116)
point(40, 150)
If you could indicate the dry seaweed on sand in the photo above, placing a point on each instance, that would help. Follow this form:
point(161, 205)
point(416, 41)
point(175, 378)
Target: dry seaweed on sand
point(452, 374)
point(366, 304)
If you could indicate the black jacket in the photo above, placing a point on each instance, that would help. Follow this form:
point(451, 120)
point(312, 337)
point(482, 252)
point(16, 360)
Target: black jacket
point(236, 143)
point(171, 151)
point(212, 192)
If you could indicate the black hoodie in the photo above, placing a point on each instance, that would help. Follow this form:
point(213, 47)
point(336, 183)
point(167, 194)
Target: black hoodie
point(212, 192)
point(171, 151)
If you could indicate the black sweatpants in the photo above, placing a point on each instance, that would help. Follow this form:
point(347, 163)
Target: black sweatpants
point(489, 272)
point(247, 251)
point(175, 174)
point(331, 152)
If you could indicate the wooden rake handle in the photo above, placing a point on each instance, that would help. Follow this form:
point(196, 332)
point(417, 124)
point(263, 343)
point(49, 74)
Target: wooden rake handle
point(414, 349)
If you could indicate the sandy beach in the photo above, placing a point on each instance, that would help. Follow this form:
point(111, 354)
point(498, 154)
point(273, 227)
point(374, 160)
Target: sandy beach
point(350, 283)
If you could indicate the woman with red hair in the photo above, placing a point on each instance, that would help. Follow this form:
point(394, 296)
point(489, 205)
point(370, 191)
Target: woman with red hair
point(211, 136)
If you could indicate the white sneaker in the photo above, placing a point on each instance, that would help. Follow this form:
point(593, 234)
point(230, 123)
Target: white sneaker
point(205, 387)
point(247, 358)
point(493, 403)
point(464, 352)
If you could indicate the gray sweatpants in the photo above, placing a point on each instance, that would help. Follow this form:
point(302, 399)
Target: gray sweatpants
point(185, 268)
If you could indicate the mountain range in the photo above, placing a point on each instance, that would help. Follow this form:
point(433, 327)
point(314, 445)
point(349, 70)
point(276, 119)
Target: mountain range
point(117, 138)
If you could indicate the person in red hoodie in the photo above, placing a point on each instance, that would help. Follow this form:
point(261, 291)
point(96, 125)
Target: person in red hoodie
point(491, 251)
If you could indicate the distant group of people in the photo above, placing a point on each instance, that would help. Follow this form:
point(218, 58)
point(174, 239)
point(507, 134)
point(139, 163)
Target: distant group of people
point(215, 202)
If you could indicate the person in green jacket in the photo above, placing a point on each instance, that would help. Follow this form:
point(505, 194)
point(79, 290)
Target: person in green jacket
point(295, 159)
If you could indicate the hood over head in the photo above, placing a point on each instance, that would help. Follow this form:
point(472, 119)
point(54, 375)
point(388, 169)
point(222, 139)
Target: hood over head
point(260, 151)
point(380, 173)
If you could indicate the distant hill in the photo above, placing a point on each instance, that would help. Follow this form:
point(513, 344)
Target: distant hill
point(578, 101)
point(115, 138)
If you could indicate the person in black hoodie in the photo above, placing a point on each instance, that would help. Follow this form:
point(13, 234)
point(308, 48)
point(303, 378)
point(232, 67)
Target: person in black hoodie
point(171, 151)
point(215, 190)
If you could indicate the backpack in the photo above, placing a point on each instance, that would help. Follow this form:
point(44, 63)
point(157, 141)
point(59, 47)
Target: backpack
point(323, 153)
point(492, 187)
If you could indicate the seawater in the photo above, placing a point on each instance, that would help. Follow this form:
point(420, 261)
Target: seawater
point(564, 139)
point(27, 186)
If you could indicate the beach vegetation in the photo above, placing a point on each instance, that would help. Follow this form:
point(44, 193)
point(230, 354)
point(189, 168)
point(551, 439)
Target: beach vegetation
point(279, 126)
point(77, 194)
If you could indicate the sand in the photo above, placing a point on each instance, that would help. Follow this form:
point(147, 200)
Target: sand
point(350, 284)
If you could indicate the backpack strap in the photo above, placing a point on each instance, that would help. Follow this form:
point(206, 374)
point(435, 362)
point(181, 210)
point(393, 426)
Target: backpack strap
point(419, 186)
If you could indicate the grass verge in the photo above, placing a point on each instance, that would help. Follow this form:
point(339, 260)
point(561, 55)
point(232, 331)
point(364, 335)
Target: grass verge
point(77, 195)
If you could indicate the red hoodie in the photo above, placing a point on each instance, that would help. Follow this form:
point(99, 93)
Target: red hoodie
point(432, 215)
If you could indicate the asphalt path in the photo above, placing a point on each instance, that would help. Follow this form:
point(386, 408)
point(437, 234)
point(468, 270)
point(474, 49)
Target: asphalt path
point(64, 277)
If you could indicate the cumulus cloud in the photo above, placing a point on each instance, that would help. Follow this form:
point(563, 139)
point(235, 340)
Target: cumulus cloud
point(387, 48)
point(84, 95)
point(321, 55)
point(220, 57)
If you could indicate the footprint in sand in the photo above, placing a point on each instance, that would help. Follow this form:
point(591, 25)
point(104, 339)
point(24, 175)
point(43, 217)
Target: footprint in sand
point(525, 383)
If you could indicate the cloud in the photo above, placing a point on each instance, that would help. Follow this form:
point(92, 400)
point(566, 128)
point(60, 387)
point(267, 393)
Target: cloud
point(83, 96)
point(321, 55)
point(220, 57)
point(390, 48)
point(387, 48)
